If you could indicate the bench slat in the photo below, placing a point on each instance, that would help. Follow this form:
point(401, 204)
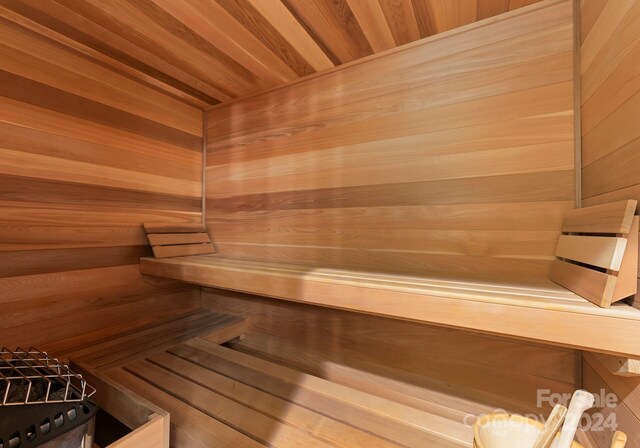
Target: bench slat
point(615, 217)
point(244, 419)
point(328, 429)
point(382, 417)
point(182, 250)
point(164, 227)
point(168, 239)
point(604, 252)
point(593, 285)
point(189, 426)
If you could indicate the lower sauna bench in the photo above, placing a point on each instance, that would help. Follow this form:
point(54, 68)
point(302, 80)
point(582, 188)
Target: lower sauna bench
point(216, 396)
point(272, 373)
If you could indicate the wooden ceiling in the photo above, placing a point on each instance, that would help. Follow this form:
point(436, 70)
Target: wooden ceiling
point(211, 51)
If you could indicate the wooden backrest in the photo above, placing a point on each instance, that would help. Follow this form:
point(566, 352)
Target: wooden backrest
point(178, 240)
point(598, 252)
point(476, 182)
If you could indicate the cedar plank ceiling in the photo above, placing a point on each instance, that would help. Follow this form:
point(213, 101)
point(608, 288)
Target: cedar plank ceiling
point(211, 51)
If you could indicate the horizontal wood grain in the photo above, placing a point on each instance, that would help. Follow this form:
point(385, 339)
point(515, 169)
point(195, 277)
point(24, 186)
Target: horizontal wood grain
point(168, 239)
point(601, 251)
point(188, 424)
point(427, 361)
point(502, 33)
point(162, 227)
point(397, 261)
point(613, 172)
point(59, 237)
point(29, 137)
point(597, 287)
point(254, 45)
point(182, 250)
point(500, 243)
point(626, 408)
point(478, 118)
point(244, 419)
point(610, 97)
point(359, 409)
point(418, 168)
point(75, 285)
point(55, 169)
point(55, 260)
point(137, 148)
point(89, 152)
point(97, 320)
point(45, 96)
point(553, 98)
point(78, 296)
point(413, 299)
point(137, 345)
point(539, 216)
point(553, 186)
point(331, 431)
point(29, 214)
point(614, 217)
point(48, 60)
point(36, 190)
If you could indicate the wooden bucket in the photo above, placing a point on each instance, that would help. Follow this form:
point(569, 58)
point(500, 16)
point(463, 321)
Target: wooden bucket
point(508, 431)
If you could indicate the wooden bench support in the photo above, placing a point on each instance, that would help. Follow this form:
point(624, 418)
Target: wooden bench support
point(233, 329)
point(125, 348)
point(619, 365)
point(150, 423)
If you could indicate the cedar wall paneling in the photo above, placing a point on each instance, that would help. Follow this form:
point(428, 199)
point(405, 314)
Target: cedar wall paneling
point(86, 155)
point(626, 412)
point(416, 364)
point(610, 98)
point(453, 156)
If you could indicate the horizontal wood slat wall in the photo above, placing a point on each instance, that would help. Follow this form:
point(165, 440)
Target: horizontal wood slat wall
point(610, 101)
point(87, 153)
point(451, 155)
point(623, 411)
point(610, 98)
point(408, 362)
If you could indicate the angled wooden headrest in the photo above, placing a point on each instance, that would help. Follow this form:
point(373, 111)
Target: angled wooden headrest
point(178, 240)
point(598, 252)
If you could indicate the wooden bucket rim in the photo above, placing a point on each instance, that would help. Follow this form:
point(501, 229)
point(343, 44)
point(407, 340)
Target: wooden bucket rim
point(487, 418)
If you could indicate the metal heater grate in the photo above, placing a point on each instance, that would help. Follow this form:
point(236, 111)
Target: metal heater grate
point(32, 377)
point(41, 399)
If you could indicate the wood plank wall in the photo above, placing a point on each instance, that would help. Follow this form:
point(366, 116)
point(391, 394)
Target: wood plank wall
point(610, 99)
point(87, 154)
point(453, 155)
point(412, 363)
point(624, 412)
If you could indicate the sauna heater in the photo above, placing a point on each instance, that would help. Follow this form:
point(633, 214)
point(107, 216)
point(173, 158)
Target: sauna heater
point(43, 403)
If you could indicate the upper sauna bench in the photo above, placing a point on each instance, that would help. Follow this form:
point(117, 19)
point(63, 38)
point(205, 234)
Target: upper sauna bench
point(544, 312)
